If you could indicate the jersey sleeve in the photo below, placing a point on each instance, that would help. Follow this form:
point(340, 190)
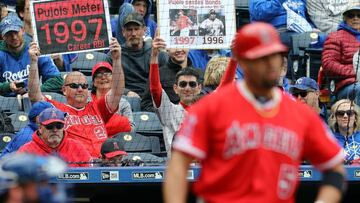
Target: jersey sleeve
point(320, 146)
point(104, 109)
point(193, 136)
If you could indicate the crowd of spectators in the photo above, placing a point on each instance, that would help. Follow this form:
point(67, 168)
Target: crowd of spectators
point(165, 81)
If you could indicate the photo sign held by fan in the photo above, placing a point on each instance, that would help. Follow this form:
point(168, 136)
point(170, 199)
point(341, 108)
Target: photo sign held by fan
point(71, 26)
point(197, 24)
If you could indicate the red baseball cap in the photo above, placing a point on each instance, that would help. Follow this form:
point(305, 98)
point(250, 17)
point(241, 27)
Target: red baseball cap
point(112, 147)
point(101, 64)
point(256, 40)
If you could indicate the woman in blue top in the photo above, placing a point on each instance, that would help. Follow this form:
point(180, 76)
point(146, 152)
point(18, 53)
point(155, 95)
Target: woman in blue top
point(345, 124)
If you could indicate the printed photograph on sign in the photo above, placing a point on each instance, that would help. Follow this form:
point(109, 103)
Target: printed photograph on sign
point(200, 24)
point(71, 26)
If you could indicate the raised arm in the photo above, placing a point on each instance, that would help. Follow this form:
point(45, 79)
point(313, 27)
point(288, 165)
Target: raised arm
point(118, 82)
point(155, 85)
point(34, 81)
point(229, 74)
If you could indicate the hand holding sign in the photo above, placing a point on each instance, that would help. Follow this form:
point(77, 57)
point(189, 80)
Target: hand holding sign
point(157, 44)
point(34, 52)
point(115, 49)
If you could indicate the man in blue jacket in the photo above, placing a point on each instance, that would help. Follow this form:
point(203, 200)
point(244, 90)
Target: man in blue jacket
point(25, 134)
point(15, 60)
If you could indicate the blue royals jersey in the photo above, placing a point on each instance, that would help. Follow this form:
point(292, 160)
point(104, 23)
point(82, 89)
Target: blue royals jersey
point(351, 145)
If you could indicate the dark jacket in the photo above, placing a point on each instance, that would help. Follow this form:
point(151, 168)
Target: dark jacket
point(337, 56)
point(136, 65)
point(167, 78)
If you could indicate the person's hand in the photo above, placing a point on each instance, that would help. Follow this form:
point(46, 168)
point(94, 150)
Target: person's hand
point(132, 94)
point(58, 60)
point(34, 51)
point(157, 44)
point(115, 48)
point(17, 90)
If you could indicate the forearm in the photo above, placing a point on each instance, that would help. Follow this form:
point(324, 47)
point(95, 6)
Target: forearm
point(34, 82)
point(328, 193)
point(229, 74)
point(117, 85)
point(175, 186)
point(155, 84)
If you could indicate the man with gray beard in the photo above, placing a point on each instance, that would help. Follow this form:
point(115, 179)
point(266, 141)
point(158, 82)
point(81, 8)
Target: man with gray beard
point(136, 55)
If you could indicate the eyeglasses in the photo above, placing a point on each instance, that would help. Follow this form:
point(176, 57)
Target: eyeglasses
point(301, 93)
point(77, 85)
point(54, 125)
point(352, 15)
point(341, 113)
point(106, 74)
point(183, 84)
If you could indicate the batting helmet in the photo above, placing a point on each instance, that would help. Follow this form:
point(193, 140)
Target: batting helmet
point(256, 40)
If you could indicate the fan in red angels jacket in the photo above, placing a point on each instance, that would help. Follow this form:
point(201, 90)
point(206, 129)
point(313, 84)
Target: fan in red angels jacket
point(51, 138)
point(86, 120)
point(250, 138)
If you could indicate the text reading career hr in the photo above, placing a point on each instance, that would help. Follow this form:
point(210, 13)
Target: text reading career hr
point(64, 11)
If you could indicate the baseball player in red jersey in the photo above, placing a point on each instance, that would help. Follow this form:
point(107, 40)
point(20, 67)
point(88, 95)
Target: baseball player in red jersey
point(250, 138)
point(86, 120)
point(183, 23)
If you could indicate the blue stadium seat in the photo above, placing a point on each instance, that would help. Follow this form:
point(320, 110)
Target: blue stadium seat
point(55, 96)
point(148, 159)
point(147, 122)
point(5, 138)
point(134, 142)
point(86, 61)
point(10, 104)
point(134, 103)
point(19, 120)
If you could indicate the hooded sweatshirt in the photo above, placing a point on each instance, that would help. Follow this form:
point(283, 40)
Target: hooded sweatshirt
point(136, 65)
point(69, 150)
point(126, 9)
point(15, 67)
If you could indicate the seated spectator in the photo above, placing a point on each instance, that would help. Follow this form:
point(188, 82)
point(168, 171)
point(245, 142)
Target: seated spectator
point(275, 13)
point(338, 53)
point(27, 178)
point(112, 153)
point(86, 120)
point(186, 86)
point(142, 7)
point(178, 59)
point(345, 123)
point(135, 55)
point(51, 138)
point(215, 69)
point(283, 83)
point(3, 11)
point(327, 14)
point(306, 90)
point(25, 134)
point(15, 60)
point(123, 120)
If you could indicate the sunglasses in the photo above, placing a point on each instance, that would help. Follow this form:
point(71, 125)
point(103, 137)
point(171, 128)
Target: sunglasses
point(54, 125)
point(183, 84)
point(352, 15)
point(106, 74)
point(341, 113)
point(301, 93)
point(77, 85)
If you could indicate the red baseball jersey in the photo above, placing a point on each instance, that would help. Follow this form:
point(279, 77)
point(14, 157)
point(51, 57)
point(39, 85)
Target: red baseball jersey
point(69, 150)
point(87, 125)
point(249, 151)
point(183, 22)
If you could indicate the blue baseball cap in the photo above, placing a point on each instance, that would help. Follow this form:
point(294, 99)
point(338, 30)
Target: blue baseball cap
point(37, 108)
point(305, 83)
point(10, 23)
point(51, 115)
